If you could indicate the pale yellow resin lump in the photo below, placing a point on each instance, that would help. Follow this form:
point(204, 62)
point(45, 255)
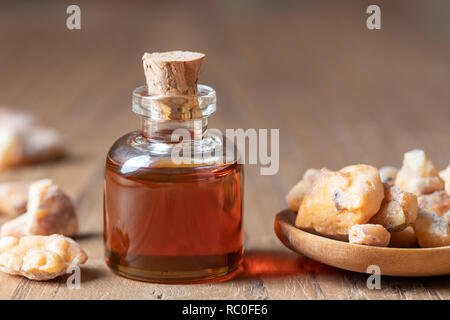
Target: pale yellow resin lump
point(431, 230)
point(404, 239)
point(295, 196)
point(49, 211)
point(369, 234)
point(418, 174)
point(40, 257)
point(445, 175)
point(30, 145)
point(11, 117)
point(447, 217)
point(438, 202)
point(388, 175)
point(13, 198)
point(398, 210)
point(23, 140)
point(341, 199)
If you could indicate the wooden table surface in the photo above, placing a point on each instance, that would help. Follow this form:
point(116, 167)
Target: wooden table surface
point(339, 93)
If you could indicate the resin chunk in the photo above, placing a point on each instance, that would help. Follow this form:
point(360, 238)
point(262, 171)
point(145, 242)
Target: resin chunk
point(404, 239)
point(11, 118)
point(295, 196)
point(40, 257)
point(418, 174)
point(398, 210)
point(445, 175)
point(431, 230)
point(24, 141)
point(447, 217)
point(19, 147)
point(438, 202)
point(13, 198)
point(49, 211)
point(369, 234)
point(388, 175)
point(341, 199)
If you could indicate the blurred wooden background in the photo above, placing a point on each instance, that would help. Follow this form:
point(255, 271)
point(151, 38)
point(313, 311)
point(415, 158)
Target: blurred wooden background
point(339, 94)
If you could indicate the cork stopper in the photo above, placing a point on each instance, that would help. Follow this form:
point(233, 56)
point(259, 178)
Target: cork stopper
point(172, 73)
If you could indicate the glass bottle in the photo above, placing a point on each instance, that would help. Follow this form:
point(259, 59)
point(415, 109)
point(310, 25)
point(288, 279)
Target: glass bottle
point(173, 219)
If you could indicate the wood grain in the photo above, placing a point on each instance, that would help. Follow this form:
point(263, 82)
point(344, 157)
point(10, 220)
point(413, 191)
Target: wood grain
point(339, 94)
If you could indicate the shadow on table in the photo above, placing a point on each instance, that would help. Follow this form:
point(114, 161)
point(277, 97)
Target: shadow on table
point(90, 274)
point(267, 264)
point(88, 236)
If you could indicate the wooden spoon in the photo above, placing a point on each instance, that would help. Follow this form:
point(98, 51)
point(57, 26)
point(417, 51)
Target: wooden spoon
point(414, 262)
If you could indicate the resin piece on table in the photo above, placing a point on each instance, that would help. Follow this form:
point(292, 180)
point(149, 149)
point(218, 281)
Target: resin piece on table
point(23, 140)
point(40, 257)
point(49, 211)
point(13, 198)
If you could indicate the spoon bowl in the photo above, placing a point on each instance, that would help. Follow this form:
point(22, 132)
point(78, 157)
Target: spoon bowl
point(416, 262)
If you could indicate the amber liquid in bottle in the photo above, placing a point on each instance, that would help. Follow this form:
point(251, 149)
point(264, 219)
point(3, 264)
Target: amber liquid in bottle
point(172, 224)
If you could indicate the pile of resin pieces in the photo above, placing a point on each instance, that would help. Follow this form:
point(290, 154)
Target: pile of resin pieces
point(35, 242)
point(403, 208)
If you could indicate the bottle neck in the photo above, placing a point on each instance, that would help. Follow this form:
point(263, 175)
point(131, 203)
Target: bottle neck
point(173, 131)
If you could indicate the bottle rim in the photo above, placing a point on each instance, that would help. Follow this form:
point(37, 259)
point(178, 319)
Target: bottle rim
point(180, 107)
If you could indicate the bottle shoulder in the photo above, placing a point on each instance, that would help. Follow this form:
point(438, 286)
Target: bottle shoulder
point(122, 149)
point(133, 152)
